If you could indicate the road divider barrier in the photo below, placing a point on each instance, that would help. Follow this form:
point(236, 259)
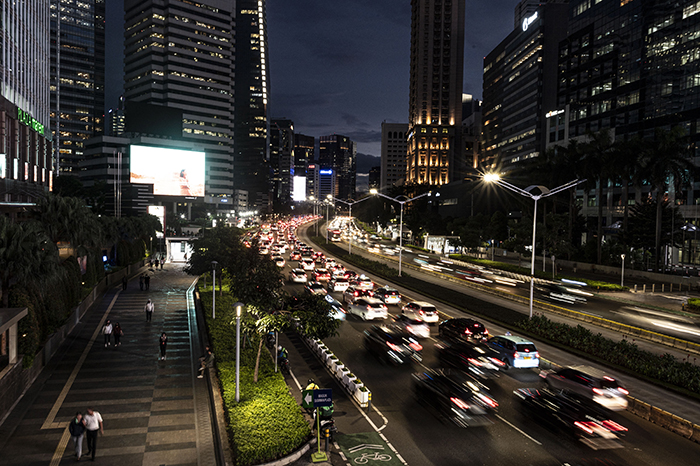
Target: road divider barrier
point(346, 379)
point(664, 419)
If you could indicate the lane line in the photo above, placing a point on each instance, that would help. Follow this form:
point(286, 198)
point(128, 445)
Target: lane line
point(49, 421)
point(60, 448)
point(517, 429)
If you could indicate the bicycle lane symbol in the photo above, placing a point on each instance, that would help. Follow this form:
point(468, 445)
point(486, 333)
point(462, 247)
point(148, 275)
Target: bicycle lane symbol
point(367, 449)
point(367, 456)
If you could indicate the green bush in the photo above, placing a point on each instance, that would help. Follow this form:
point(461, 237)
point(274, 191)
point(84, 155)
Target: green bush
point(664, 368)
point(267, 423)
point(693, 305)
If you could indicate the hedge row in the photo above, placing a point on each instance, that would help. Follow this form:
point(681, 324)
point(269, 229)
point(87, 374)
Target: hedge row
point(267, 423)
point(664, 368)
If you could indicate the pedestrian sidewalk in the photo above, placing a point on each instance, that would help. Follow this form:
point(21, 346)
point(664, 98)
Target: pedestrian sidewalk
point(155, 412)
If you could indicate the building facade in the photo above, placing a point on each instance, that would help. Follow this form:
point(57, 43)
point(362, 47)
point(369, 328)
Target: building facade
point(25, 138)
point(435, 95)
point(77, 78)
point(339, 154)
point(179, 57)
point(252, 88)
point(394, 153)
point(520, 82)
point(281, 160)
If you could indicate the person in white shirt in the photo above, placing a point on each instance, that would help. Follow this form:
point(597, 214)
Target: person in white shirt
point(149, 308)
point(107, 332)
point(93, 424)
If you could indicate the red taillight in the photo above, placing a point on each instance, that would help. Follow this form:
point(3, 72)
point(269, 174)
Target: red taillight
point(474, 361)
point(459, 403)
point(416, 346)
point(486, 332)
point(614, 426)
point(497, 362)
point(609, 379)
point(598, 391)
point(421, 312)
point(394, 347)
point(584, 427)
point(467, 331)
point(516, 355)
point(623, 390)
point(537, 354)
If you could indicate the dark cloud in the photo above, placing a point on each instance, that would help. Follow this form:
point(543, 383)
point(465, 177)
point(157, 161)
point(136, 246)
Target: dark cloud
point(364, 162)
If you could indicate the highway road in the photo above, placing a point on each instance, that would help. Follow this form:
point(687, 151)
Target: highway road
point(422, 439)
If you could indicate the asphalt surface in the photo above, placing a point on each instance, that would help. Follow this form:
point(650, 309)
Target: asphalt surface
point(156, 412)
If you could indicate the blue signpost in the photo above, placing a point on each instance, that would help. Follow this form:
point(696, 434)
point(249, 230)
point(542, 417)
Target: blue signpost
point(315, 399)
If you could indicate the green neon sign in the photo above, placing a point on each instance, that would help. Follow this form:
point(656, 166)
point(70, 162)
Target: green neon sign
point(29, 120)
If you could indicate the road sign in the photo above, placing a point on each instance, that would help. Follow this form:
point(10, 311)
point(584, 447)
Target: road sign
point(316, 398)
point(323, 397)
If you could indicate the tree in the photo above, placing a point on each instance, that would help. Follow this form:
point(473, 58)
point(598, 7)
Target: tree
point(666, 160)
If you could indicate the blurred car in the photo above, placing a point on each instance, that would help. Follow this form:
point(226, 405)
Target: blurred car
point(321, 275)
point(337, 311)
point(589, 383)
point(279, 261)
point(515, 351)
point(351, 293)
point(456, 396)
point(368, 308)
point(337, 271)
point(476, 359)
point(306, 263)
point(374, 248)
point(565, 294)
point(568, 413)
point(350, 274)
point(330, 262)
point(421, 310)
point(295, 255)
point(392, 344)
point(298, 276)
point(362, 282)
point(464, 328)
point(338, 284)
point(264, 250)
point(315, 288)
point(415, 327)
point(388, 295)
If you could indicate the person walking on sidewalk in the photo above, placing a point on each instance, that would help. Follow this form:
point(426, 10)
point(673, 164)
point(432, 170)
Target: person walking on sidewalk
point(118, 332)
point(147, 282)
point(124, 282)
point(141, 279)
point(93, 424)
point(77, 433)
point(163, 342)
point(150, 307)
point(107, 332)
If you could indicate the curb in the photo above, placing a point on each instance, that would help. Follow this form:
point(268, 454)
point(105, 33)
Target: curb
point(664, 419)
point(293, 456)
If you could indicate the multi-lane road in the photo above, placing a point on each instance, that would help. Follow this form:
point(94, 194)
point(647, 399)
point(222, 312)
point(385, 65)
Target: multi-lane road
point(422, 439)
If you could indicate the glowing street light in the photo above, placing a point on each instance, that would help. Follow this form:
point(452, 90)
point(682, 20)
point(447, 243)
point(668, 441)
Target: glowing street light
point(544, 192)
point(350, 204)
point(396, 199)
point(238, 307)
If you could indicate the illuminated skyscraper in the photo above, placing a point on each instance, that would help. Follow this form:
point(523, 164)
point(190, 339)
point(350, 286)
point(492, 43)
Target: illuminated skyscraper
point(435, 101)
point(251, 168)
point(77, 78)
point(179, 66)
point(339, 153)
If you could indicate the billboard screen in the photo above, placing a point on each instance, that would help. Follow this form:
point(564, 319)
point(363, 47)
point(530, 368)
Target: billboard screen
point(299, 188)
point(172, 172)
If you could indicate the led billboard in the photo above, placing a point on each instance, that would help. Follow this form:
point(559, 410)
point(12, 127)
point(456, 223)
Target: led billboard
point(172, 172)
point(299, 190)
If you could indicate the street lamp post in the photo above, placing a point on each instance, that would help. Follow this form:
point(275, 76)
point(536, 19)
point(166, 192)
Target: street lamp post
point(544, 192)
point(622, 276)
point(350, 204)
point(213, 289)
point(374, 191)
point(238, 307)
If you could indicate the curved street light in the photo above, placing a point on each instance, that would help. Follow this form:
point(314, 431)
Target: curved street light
point(396, 199)
point(544, 192)
point(350, 204)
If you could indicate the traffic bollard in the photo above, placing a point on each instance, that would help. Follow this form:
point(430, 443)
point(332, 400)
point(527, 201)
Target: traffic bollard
point(327, 434)
point(369, 401)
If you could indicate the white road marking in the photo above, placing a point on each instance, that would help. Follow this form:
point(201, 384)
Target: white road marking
point(514, 427)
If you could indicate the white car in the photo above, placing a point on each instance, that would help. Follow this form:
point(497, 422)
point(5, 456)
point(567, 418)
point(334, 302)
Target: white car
point(338, 284)
point(368, 308)
point(420, 310)
point(298, 276)
point(307, 263)
point(279, 261)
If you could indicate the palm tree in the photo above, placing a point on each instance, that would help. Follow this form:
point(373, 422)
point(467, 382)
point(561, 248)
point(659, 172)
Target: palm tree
point(666, 159)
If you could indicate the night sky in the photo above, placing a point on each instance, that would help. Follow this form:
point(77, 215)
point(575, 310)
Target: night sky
point(342, 66)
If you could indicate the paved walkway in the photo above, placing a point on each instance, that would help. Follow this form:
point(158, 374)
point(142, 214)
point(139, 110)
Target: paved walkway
point(155, 412)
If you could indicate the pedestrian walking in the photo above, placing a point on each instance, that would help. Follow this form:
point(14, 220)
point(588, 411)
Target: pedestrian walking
point(93, 424)
point(147, 281)
point(118, 332)
point(205, 361)
point(77, 433)
point(162, 261)
point(156, 263)
point(107, 332)
point(150, 307)
point(141, 280)
point(163, 342)
point(124, 282)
